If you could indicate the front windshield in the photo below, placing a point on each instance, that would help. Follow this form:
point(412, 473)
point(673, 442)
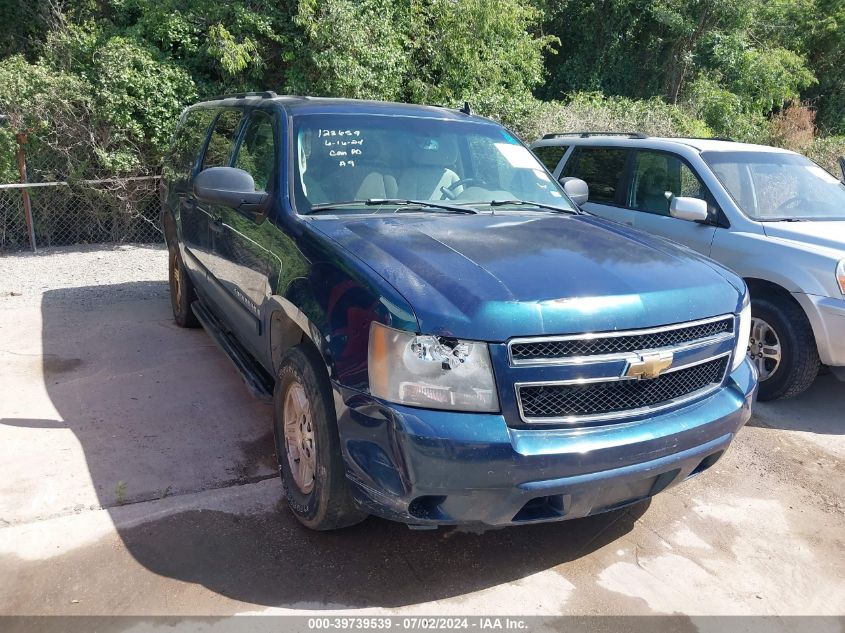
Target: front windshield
point(341, 158)
point(771, 186)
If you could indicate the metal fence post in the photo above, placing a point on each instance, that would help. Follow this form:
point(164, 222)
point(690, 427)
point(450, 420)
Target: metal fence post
point(27, 207)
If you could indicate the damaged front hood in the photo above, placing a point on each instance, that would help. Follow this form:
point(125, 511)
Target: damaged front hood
point(492, 277)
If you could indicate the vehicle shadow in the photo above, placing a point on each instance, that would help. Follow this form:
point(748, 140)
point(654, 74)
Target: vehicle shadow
point(159, 412)
point(817, 410)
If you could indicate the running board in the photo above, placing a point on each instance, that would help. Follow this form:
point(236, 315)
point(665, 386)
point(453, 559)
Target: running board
point(257, 380)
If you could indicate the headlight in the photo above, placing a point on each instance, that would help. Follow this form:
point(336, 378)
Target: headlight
point(840, 275)
point(743, 334)
point(434, 372)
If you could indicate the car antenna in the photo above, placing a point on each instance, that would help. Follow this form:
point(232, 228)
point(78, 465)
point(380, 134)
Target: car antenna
point(466, 109)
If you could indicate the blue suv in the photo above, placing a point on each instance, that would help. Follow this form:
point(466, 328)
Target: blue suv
point(445, 336)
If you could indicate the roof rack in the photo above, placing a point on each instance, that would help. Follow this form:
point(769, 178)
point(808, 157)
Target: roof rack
point(705, 138)
point(587, 134)
point(264, 94)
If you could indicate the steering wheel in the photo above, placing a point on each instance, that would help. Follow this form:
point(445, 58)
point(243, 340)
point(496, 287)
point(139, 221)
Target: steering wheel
point(449, 191)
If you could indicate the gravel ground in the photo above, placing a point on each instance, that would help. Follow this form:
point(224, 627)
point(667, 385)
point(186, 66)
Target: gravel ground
point(25, 276)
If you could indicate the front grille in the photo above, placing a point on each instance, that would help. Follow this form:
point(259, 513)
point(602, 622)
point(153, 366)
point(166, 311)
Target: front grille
point(551, 349)
point(595, 399)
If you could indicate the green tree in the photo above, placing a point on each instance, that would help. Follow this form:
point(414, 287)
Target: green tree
point(351, 49)
point(680, 49)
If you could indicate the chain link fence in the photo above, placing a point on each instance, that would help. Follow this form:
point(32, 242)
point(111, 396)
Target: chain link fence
point(114, 210)
point(52, 198)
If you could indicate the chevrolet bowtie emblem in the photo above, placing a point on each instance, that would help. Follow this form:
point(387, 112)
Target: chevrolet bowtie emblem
point(649, 366)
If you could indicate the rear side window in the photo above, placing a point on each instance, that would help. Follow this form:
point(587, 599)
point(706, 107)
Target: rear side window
point(187, 143)
point(550, 155)
point(602, 168)
point(222, 140)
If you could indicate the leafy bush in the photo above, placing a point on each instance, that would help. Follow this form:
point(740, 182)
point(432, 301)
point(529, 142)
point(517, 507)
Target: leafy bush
point(53, 108)
point(354, 49)
point(724, 112)
point(102, 83)
point(593, 111)
point(826, 152)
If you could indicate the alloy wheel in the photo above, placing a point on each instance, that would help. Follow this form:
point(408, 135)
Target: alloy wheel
point(764, 348)
point(299, 437)
point(175, 276)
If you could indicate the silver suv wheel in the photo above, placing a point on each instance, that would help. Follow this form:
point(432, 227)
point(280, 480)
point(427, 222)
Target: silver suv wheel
point(764, 348)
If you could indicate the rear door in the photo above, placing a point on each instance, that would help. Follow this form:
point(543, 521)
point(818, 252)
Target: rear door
point(656, 177)
point(242, 262)
point(604, 170)
point(192, 224)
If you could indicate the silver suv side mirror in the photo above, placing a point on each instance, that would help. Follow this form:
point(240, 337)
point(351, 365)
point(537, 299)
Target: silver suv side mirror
point(691, 209)
point(577, 190)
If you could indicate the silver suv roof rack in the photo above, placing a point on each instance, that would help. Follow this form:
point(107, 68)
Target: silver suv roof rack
point(264, 94)
point(587, 134)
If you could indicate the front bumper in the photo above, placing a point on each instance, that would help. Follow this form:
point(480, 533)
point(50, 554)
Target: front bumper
point(434, 467)
point(827, 318)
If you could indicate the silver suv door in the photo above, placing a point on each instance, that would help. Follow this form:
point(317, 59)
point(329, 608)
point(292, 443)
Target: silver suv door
point(603, 169)
point(656, 177)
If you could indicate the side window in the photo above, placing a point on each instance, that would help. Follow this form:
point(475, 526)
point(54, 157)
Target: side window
point(550, 155)
point(602, 168)
point(257, 153)
point(657, 178)
point(187, 143)
point(222, 139)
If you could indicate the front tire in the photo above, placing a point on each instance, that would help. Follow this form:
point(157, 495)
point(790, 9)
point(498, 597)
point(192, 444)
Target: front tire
point(783, 348)
point(308, 445)
point(182, 291)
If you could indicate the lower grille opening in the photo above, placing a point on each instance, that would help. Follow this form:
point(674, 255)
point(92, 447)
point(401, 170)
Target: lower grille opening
point(427, 507)
point(706, 463)
point(590, 399)
point(540, 508)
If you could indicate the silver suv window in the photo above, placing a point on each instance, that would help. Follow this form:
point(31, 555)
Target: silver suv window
point(602, 168)
point(657, 178)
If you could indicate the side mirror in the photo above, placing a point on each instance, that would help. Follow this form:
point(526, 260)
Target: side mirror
point(576, 189)
point(230, 187)
point(691, 209)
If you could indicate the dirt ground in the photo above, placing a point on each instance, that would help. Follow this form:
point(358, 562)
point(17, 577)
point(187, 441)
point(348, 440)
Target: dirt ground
point(137, 477)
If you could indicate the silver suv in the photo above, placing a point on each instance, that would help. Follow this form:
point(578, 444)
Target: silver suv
point(773, 216)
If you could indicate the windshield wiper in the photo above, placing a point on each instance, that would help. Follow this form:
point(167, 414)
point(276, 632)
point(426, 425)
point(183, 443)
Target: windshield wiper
point(401, 202)
point(539, 205)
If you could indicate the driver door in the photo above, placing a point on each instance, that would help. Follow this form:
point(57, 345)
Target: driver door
point(241, 259)
point(658, 176)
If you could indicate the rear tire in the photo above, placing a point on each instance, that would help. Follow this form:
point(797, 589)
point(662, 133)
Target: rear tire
point(182, 292)
point(308, 445)
point(783, 321)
